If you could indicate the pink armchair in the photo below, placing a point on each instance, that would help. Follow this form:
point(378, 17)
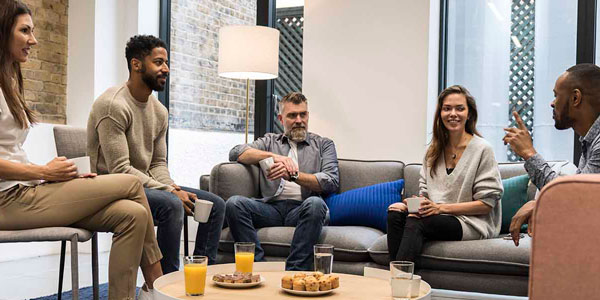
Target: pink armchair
point(565, 258)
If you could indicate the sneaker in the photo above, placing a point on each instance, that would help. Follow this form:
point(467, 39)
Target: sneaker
point(145, 295)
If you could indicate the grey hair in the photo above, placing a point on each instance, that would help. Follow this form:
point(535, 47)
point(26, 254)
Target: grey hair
point(293, 97)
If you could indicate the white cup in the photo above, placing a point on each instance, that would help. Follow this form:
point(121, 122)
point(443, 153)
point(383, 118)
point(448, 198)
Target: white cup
point(266, 164)
point(82, 164)
point(202, 210)
point(415, 286)
point(414, 204)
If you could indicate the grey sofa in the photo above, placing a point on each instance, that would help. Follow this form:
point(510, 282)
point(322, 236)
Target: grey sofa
point(487, 266)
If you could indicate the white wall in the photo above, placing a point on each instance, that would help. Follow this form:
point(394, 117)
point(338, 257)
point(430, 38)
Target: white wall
point(365, 73)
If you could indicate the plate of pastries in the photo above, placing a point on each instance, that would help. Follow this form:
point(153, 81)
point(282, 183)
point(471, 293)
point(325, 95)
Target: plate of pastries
point(238, 280)
point(310, 284)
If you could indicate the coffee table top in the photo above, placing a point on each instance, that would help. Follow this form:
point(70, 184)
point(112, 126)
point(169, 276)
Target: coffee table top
point(171, 286)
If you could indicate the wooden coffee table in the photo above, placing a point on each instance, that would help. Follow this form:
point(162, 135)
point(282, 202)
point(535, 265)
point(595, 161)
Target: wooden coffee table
point(171, 286)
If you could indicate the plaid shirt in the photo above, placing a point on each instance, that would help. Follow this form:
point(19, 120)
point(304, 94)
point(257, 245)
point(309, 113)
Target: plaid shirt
point(541, 173)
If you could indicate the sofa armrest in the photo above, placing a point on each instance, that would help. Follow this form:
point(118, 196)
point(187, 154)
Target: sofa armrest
point(566, 234)
point(205, 182)
point(232, 178)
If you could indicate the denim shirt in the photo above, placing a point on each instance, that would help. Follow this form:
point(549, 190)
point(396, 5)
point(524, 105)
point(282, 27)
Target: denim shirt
point(541, 173)
point(316, 156)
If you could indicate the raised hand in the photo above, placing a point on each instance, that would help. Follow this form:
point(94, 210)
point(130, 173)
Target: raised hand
point(519, 139)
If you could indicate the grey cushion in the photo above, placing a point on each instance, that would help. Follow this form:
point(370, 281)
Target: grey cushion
point(70, 141)
point(492, 256)
point(350, 242)
point(231, 178)
point(205, 182)
point(46, 234)
point(357, 173)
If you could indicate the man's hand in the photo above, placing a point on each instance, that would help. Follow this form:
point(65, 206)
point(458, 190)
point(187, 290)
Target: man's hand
point(187, 199)
point(278, 170)
point(288, 162)
point(523, 216)
point(398, 206)
point(519, 139)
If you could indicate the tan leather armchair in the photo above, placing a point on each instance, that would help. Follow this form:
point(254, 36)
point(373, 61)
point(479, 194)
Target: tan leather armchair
point(565, 258)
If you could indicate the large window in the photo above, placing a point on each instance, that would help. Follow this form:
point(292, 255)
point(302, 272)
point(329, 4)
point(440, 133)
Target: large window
point(206, 112)
point(597, 33)
point(508, 53)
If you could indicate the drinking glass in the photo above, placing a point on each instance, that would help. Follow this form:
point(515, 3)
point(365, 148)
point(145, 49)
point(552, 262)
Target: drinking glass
point(194, 271)
point(244, 257)
point(401, 273)
point(323, 258)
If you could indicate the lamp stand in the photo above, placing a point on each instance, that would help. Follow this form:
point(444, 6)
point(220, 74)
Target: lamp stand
point(247, 105)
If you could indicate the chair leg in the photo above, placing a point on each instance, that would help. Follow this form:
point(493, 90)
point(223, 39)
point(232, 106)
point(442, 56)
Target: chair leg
point(95, 279)
point(185, 236)
point(74, 268)
point(61, 268)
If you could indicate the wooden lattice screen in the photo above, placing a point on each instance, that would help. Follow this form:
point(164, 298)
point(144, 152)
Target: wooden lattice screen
point(522, 55)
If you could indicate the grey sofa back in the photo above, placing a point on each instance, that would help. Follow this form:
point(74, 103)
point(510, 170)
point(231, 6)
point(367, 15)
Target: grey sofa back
point(70, 141)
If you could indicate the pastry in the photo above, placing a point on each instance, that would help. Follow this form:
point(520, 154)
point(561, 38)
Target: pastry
point(286, 282)
point(228, 279)
point(255, 278)
point(324, 284)
point(219, 278)
point(299, 276)
point(299, 285)
point(335, 281)
point(317, 275)
point(312, 284)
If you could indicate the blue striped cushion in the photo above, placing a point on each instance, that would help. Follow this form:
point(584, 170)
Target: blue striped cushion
point(366, 206)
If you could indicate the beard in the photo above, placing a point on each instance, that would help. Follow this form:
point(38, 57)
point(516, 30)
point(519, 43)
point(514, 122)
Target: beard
point(563, 121)
point(152, 81)
point(297, 134)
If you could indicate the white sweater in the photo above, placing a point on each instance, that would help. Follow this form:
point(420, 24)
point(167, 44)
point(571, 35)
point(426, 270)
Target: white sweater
point(475, 177)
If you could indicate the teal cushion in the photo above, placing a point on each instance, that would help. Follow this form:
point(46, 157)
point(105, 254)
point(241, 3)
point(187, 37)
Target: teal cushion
point(515, 195)
point(366, 206)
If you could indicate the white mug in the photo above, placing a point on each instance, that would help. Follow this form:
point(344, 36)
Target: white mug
point(415, 286)
point(82, 164)
point(414, 204)
point(202, 210)
point(266, 164)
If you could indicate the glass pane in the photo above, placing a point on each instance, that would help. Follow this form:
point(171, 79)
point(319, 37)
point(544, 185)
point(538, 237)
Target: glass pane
point(207, 112)
point(290, 23)
point(509, 54)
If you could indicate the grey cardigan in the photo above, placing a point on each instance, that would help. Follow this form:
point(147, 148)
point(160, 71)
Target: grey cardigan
point(475, 177)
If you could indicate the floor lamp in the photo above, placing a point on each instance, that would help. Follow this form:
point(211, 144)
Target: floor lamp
point(248, 52)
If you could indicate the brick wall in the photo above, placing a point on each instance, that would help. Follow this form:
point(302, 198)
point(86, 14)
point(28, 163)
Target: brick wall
point(45, 73)
point(199, 98)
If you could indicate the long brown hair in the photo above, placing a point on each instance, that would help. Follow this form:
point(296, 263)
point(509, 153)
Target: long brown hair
point(440, 132)
point(10, 70)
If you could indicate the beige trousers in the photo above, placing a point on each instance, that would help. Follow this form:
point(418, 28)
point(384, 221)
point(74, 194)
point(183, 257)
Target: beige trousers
point(108, 203)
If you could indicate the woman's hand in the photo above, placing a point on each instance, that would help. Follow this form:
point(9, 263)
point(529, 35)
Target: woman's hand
point(398, 206)
point(429, 208)
point(59, 169)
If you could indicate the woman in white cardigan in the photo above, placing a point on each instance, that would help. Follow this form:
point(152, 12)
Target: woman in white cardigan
point(459, 180)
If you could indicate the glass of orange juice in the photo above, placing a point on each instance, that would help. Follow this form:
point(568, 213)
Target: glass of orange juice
point(194, 271)
point(244, 257)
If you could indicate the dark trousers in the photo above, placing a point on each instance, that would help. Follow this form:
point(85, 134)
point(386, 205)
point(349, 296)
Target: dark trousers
point(167, 212)
point(406, 235)
point(245, 215)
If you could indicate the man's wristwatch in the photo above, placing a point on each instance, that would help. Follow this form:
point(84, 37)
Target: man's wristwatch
point(294, 177)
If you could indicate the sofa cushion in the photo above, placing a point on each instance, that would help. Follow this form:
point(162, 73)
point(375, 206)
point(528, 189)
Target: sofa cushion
point(366, 206)
point(514, 196)
point(359, 173)
point(350, 242)
point(491, 256)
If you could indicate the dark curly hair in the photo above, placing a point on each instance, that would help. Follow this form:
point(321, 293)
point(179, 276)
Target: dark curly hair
point(141, 46)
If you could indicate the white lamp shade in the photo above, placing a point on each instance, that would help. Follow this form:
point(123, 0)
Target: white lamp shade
point(248, 52)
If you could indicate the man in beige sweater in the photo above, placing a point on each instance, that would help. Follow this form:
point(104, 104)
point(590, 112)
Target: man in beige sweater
point(127, 134)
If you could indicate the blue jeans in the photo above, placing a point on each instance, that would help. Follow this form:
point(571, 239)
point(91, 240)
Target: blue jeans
point(245, 215)
point(167, 212)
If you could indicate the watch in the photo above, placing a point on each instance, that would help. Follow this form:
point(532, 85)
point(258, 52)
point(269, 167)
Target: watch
point(294, 177)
